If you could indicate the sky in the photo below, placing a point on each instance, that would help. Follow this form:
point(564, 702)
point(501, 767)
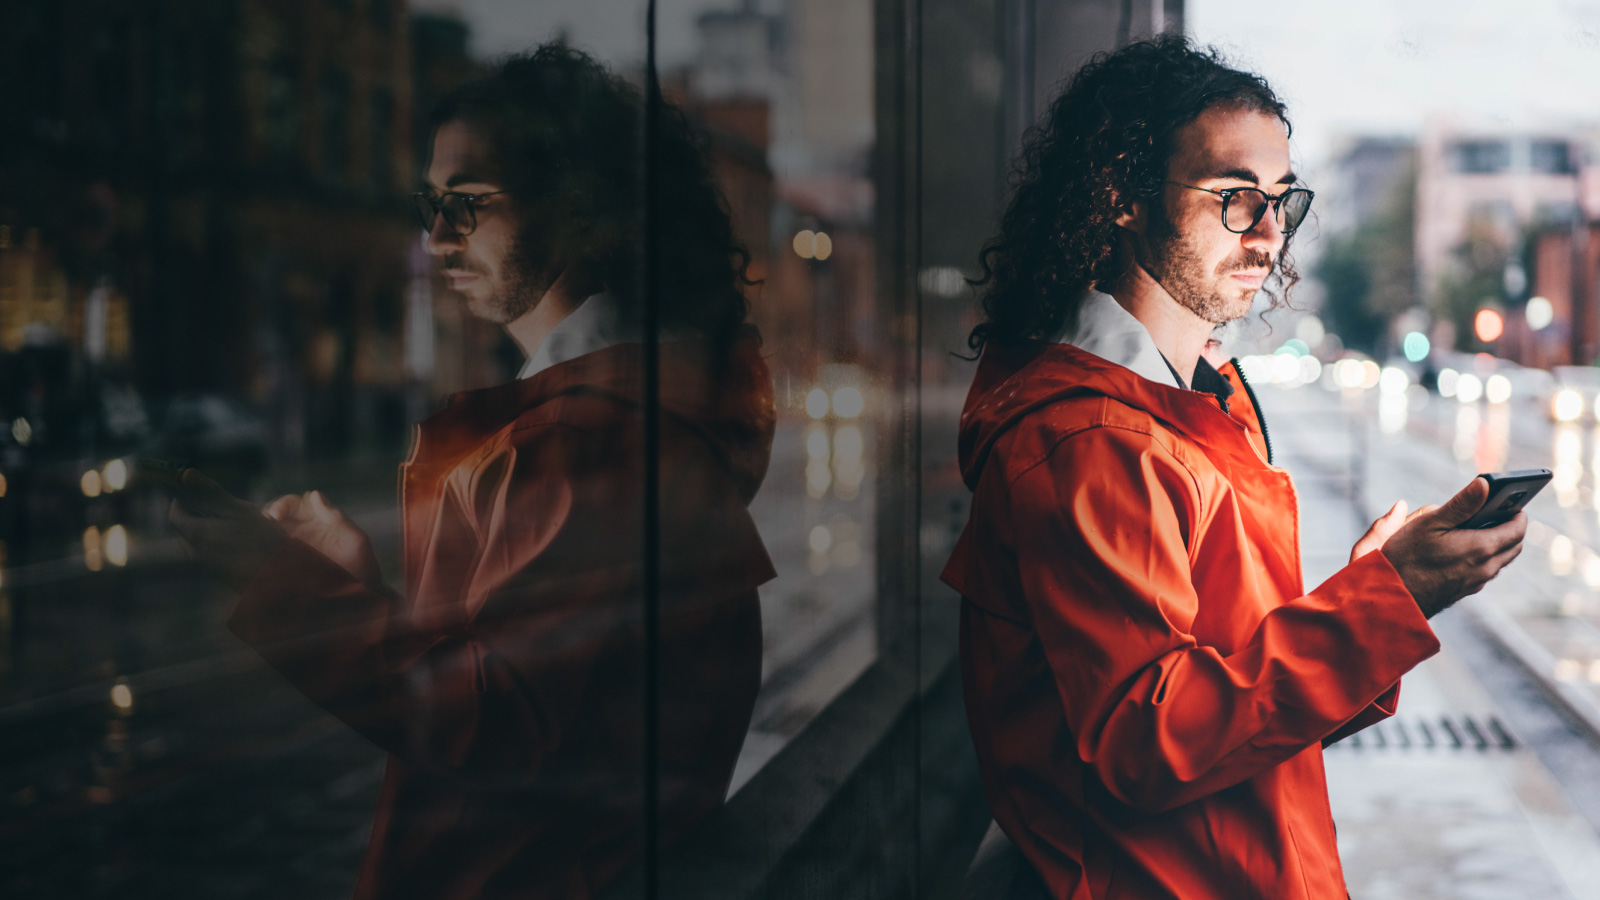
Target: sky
point(611, 29)
point(1383, 66)
point(1346, 67)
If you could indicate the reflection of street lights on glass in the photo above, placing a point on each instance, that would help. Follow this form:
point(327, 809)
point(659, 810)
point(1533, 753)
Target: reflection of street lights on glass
point(824, 245)
point(805, 244)
point(116, 545)
point(817, 403)
point(810, 244)
point(1540, 313)
point(848, 402)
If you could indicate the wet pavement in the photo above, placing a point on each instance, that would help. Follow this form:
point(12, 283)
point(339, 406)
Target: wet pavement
point(1479, 786)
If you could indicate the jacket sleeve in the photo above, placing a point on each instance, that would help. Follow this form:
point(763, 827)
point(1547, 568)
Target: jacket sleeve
point(484, 686)
point(1101, 534)
point(1376, 711)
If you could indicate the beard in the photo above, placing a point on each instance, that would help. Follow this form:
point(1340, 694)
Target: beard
point(523, 281)
point(1175, 263)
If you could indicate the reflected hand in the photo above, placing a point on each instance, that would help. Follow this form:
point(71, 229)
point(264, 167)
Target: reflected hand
point(1441, 563)
point(310, 518)
point(229, 537)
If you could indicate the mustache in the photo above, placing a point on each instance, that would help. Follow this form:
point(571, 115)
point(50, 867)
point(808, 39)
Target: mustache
point(455, 261)
point(1250, 259)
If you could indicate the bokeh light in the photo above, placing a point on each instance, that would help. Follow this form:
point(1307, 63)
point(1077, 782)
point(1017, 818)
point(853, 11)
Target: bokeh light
point(1416, 346)
point(1488, 325)
point(1540, 313)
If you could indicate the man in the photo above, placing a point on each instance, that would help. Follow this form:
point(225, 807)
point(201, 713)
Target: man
point(508, 682)
point(1148, 683)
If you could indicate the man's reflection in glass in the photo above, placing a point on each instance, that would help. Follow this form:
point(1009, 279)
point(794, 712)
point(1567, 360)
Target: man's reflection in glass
point(507, 681)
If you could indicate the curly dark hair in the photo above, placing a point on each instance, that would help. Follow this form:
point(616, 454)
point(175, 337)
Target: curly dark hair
point(1104, 143)
point(571, 135)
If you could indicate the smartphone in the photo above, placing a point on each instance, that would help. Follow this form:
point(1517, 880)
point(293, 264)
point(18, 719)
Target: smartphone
point(1509, 492)
point(167, 473)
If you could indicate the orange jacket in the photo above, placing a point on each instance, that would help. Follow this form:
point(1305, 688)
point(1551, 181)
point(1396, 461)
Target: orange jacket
point(1148, 683)
point(507, 684)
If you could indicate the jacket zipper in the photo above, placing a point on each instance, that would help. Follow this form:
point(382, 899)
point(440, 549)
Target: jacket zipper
point(1251, 393)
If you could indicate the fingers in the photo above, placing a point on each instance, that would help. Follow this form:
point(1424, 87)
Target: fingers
point(1380, 531)
point(1507, 534)
point(1503, 558)
point(183, 522)
point(283, 508)
point(1461, 507)
point(1422, 511)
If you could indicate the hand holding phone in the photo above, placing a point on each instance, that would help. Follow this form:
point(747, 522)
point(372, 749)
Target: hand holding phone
point(1509, 492)
point(1441, 556)
point(165, 473)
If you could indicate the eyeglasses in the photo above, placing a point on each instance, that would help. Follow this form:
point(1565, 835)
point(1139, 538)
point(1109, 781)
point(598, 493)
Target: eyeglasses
point(459, 210)
point(1247, 205)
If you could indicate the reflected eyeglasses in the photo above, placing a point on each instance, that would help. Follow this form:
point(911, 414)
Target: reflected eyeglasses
point(459, 209)
point(1247, 205)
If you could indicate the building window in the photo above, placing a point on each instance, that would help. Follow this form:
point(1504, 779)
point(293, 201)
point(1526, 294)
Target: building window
point(335, 123)
point(279, 108)
point(1481, 157)
point(1551, 158)
point(382, 139)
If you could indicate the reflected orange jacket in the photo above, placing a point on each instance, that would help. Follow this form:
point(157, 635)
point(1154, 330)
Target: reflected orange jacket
point(1148, 683)
point(508, 683)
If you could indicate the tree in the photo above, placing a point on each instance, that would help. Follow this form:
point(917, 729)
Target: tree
point(1370, 273)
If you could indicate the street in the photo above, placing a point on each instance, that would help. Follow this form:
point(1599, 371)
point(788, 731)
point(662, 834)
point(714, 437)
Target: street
point(146, 752)
point(1483, 784)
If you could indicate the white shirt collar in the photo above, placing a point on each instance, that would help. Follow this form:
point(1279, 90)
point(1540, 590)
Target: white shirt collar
point(596, 324)
point(1112, 333)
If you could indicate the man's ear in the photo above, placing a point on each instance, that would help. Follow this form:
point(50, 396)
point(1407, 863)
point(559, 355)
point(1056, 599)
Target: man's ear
point(1134, 216)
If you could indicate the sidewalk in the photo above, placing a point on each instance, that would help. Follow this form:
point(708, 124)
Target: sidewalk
point(1444, 800)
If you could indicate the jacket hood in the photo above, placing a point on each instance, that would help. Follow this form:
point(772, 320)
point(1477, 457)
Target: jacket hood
point(728, 401)
point(1013, 382)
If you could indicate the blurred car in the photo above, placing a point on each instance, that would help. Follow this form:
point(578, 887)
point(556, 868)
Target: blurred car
point(1573, 393)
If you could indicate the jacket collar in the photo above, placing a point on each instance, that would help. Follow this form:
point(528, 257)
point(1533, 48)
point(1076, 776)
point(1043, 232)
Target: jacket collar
point(1110, 332)
point(596, 324)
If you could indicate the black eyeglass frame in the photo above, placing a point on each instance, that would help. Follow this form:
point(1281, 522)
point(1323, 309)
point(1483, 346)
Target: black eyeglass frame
point(435, 207)
point(1276, 202)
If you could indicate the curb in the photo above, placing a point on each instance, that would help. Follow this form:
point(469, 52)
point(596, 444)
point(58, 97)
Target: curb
point(1537, 661)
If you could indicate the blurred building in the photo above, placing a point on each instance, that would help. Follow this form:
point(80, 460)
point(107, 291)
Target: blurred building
point(210, 196)
point(1368, 175)
point(1501, 182)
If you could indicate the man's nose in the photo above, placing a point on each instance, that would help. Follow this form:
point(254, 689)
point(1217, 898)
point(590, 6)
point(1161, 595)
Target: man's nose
point(442, 238)
point(1267, 234)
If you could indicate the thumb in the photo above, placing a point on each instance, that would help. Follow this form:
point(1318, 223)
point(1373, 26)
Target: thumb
point(320, 505)
point(284, 507)
point(1461, 507)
